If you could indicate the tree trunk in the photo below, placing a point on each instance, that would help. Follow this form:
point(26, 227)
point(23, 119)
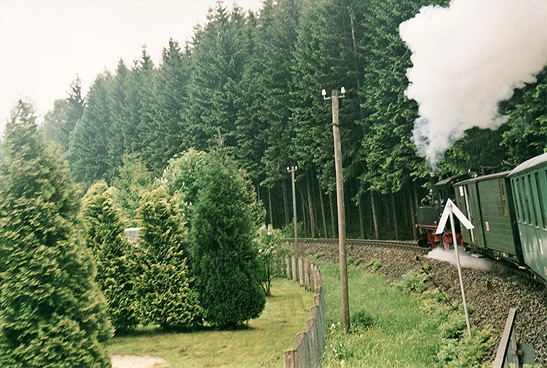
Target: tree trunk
point(333, 218)
point(361, 217)
point(311, 208)
point(304, 214)
point(285, 203)
point(270, 206)
point(326, 234)
point(374, 215)
point(394, 212)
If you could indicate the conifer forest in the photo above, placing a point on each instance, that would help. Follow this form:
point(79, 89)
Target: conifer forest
point(254, 81)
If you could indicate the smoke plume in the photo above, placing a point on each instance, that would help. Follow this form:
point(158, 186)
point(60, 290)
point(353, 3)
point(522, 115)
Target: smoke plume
point(466, 260)
point(467, 58)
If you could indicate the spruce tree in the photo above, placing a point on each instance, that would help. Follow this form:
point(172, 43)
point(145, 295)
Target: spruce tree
point(226, 266)
point(60, 122)
point(88, 153)
point(51, 312)
point(113, 254)
point(163, 288)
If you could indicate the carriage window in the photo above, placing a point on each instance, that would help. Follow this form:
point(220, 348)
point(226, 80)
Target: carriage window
point(517, 199)
point(525, 202)
point(502, 195)
point(541, 214)
point(532, 203)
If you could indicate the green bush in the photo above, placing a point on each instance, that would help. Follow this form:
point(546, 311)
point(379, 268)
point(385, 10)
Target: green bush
point(52, 313)
point(133, 177)
point(412, 281)
point(271, 250)
point(163, 288)
point(181, 177)
point(373, 265)
point(113, 255)
point(454, 326)
point(465, 352)
point(224, 260)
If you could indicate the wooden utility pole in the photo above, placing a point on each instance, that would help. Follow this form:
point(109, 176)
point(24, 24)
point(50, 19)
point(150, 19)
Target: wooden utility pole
point(292, 169)
point(341, 211)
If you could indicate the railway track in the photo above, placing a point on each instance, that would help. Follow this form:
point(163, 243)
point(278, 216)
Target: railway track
point(356, 243)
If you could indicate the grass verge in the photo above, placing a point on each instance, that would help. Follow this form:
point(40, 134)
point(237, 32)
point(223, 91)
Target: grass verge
point(394, 327)
point(260, 345)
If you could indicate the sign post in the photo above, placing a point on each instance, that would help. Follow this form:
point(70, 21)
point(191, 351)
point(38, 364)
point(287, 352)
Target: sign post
point(449, 211)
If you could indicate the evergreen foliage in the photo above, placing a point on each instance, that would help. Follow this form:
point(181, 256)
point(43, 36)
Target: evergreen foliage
point(114, 256)
point(51, 311)
point(226, 266)
point(271, 250)
point(164, 292)
point(527, 133)
point(88, 151)
point(166, 134)
point(255, 80)
point(181, 177)
point(133, 177)
point(60, 122)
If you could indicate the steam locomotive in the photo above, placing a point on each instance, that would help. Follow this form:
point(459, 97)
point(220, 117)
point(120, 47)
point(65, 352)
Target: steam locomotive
point(508, 210)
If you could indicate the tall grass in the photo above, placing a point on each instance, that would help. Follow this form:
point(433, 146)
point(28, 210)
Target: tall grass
point(391, 327)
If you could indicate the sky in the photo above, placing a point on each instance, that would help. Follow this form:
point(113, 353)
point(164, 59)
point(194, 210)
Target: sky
point(46, 44)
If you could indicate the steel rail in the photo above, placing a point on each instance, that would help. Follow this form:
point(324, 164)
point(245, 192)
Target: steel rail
point(400, 244)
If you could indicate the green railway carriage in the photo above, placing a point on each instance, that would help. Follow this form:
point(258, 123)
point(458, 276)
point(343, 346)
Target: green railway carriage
point(529, 188)
point(487, 203)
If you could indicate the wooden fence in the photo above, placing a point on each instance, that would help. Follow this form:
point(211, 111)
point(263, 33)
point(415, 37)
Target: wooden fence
point(310, 344)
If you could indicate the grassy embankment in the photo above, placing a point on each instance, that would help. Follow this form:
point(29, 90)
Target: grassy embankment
point(261, 345)
point(392, 327)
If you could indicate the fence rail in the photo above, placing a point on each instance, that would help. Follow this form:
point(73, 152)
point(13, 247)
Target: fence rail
point(310, 344)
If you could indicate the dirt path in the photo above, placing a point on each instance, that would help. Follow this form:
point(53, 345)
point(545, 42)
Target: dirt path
point(137, 361)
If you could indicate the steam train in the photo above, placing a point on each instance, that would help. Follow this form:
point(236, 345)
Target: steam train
point(508, 210)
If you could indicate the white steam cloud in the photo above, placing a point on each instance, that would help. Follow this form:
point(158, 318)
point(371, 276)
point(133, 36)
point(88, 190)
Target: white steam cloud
point(466, 260)
point(467, 58)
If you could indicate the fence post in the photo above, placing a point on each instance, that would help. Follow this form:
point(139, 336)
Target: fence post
point(310, 275)
point(293, 258)
point(287, 260)
point(300, 271)
point(290, 358)
point(299, 337)
point(317, 281)
point(313, 310)
point(306, 274)
point(309, 322)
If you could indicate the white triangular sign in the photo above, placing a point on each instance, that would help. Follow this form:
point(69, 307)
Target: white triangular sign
point(451, 207)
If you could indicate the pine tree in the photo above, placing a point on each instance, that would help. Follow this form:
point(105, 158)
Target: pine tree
point(114, 256)
point(226, 266)
point(164, 293)
point(51, 311)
